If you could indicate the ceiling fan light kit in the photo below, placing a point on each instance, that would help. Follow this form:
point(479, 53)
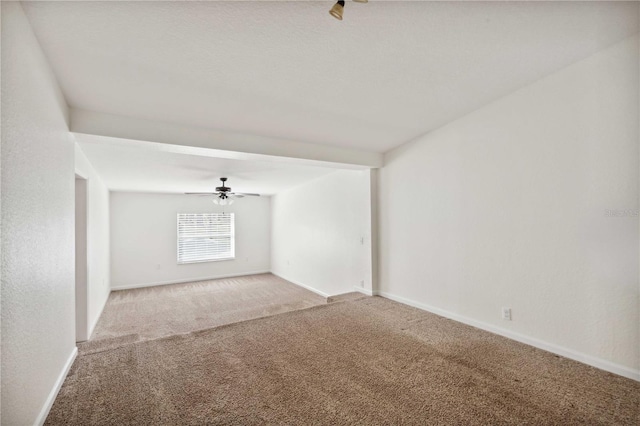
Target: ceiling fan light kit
point(222, 201)
point(338, 9)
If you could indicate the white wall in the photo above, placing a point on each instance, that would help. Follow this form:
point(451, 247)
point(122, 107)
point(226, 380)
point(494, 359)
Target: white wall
point(98, 254)
point(506, 207)
point(38, 323)
point(144, 238)
point(321, 233)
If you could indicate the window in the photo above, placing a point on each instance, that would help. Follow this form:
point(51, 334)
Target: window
point(205, 237)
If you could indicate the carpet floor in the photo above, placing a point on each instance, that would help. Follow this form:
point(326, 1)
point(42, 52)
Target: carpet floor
point(363, 360)
point(153, 312)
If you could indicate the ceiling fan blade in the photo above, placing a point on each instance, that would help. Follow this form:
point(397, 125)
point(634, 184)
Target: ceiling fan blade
point(245, 194)
point(201, 193)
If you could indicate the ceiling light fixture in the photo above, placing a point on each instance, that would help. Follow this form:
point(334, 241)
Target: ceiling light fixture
point(222, 200)
point(338, 9)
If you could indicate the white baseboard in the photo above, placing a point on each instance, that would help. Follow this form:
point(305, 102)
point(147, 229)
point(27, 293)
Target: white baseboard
point(56, 388)
point(366, 291)
point(549, 347)
point(187, 280)
point(316, 291)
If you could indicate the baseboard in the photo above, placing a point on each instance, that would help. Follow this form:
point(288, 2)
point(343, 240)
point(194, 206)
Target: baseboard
point(316, 291)
point(366, 291)
point(600, 363)
point(188, 280)
point(56, 388)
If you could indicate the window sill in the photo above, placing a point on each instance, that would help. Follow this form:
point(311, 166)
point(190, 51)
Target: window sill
point(205, 261)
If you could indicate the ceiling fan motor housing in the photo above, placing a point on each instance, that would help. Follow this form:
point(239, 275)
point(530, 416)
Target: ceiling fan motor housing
point(224, 189)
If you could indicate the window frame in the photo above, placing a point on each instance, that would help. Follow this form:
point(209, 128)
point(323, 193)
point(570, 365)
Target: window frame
point(232, 238)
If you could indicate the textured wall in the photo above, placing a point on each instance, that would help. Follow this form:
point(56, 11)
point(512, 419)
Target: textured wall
point(321, 233)
point(508, 207)
point(98, 280)
point(38, 324)
point(144, 234)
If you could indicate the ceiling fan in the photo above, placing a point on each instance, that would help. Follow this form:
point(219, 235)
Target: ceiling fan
point(223, 194)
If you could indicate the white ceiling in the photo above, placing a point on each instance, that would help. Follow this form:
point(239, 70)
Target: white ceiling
point(144, 167)
point(387, 73)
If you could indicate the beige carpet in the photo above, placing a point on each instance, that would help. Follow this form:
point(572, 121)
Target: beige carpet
point(362, 361)
point(153, 312)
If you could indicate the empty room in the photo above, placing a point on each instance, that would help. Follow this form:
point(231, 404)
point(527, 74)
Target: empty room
point(319, 212)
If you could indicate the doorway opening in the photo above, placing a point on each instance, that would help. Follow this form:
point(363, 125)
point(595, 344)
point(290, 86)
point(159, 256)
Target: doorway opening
point(82, 319)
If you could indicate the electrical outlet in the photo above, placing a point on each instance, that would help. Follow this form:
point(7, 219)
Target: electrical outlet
point(362, 283)
point(158, 266)
point(506, 314)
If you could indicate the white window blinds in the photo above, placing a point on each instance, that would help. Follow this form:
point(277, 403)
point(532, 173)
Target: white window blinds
point(205, 237)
